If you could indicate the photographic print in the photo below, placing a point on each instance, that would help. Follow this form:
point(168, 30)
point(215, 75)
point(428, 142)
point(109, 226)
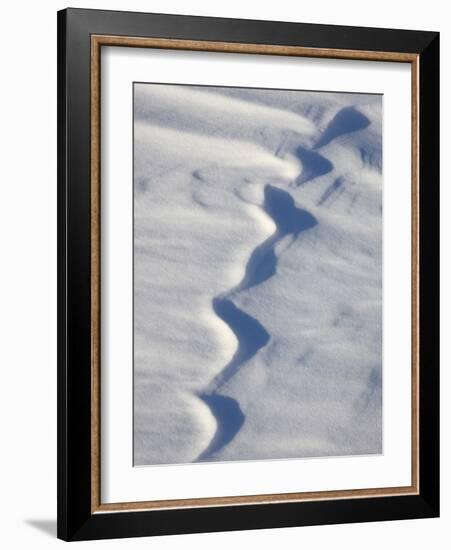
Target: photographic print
point(248, 274)
point(257, 274)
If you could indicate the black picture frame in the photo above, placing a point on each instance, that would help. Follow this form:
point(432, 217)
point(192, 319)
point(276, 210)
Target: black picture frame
point(76, 519)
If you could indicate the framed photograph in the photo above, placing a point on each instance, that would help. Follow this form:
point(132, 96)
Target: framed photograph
point(248, 274)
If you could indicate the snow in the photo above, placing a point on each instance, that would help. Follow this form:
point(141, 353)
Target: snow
point(257, 274)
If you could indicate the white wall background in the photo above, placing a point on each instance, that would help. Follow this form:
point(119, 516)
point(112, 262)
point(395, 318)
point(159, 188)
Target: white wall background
point(28, 272)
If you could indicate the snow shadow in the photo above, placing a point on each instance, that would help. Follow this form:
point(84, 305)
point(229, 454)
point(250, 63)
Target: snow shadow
point(337, 186)
point(347, 120)
point(289, 220)
point(229, 419)
point(286, 215)
point(313, 165)
point(251, 336)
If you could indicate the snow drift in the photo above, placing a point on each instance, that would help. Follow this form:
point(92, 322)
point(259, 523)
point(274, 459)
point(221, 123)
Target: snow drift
point(257, 274)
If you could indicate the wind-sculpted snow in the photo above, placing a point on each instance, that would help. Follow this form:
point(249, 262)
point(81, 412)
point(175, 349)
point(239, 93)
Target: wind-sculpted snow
point(257, 266)
point(289, 219)
point(251, 335)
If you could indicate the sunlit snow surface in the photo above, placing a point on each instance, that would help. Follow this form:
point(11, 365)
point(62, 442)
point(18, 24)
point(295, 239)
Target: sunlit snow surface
point(257, 274)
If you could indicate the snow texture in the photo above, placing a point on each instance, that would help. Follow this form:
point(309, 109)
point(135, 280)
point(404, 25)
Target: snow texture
point(257, 274)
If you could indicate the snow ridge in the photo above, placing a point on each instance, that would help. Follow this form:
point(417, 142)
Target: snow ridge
point(289, 220)
point(257, 274)
point(251, 335)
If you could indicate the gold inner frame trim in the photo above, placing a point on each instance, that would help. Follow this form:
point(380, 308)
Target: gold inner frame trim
point(97, 41)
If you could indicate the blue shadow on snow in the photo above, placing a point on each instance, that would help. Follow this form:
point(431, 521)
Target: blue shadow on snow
point(347, 120)
point(251, 335)
point(229, 419)
point(289, 220)
point(314, 165)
